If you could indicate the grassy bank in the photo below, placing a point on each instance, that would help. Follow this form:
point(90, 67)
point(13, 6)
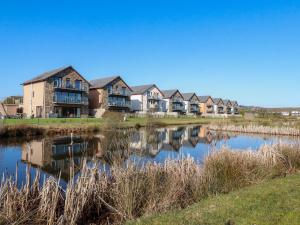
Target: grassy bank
point(273, 202)
point(33, 127)
point(130, 192)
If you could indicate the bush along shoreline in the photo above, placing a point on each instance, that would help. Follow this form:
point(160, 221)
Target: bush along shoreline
point(129, 192)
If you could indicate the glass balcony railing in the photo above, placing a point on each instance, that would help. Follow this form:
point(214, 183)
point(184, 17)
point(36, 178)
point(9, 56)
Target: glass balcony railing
point(154, 97)
point(126, 104)
point(178, 107)
point(70, 100)
point(119, 92)
point(177, 100)
point(71, 86)
point(194, 109)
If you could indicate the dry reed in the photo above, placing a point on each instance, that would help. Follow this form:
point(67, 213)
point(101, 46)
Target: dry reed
point(257, 129)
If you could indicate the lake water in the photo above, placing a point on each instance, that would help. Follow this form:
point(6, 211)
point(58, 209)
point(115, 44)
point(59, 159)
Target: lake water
point(54, 155)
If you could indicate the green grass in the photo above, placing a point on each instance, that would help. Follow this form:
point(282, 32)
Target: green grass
point(275, 202)
point(95, 121)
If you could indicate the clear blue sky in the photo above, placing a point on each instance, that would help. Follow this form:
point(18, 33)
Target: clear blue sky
point(247, 50)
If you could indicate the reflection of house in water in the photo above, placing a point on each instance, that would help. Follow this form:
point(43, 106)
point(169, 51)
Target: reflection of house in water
point(147, 142)
point(111, 147)
point(190, 137)
point(56, 155)
point(209, 137)
point(174, 138)
point(205, 136)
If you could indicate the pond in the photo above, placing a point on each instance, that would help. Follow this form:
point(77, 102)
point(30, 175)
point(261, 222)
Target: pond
point(55, 155)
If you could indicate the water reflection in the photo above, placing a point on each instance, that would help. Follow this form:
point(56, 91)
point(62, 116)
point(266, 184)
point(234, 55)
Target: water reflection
point(56, 155)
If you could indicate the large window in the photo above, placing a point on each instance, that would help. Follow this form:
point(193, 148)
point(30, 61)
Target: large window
point(66, 97)
point(68, 83)
point(57, 82)
point(78, 84)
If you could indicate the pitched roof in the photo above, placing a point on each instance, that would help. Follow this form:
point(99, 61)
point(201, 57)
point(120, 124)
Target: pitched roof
point(48, 74)
point(217, 100)
point(188, 96)
point(170, 93)
point(141, 89)
point(45, 75)
point(226, 102)
point(234, 103)
point(203, 99)
point(102, 82)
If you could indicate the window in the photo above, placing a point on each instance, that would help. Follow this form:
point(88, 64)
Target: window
point(68, 83)
point(33, 94)
point(123, 90)
point(57, 82)
point(109, 89)
point(78, 84)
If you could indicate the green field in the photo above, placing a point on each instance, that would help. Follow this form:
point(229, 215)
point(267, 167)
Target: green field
point(275, 202)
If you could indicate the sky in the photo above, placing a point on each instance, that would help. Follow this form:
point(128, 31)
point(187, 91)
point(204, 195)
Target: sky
point(246, 50)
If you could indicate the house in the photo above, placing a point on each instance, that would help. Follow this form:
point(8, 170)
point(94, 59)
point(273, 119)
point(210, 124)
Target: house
point(206, 104)
point(228, 107)
point(12, 106)
point(191, 103)
point(146, 98)
point(62, 92)
point(173, 102)
point(218, 106)
point(235, 107)
point(3, 113)
point(109, 94)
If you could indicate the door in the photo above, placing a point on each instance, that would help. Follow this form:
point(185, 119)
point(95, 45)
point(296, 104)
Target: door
point(39, 111)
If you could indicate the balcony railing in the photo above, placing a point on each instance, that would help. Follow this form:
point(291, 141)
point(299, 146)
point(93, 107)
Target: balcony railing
point(120, 92)
point(70, 86)
point(177, 100)
point(69, 100)
point(154, 97)
point(177, 108)
point(194, 109)
point(126, 104)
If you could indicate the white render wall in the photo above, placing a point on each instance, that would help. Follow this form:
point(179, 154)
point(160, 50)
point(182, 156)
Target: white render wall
point(166, 103)
point(136, 102)
point(187, 106)
point(140, 102)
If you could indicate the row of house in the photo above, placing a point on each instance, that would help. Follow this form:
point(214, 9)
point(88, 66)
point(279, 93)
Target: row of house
point(64, 92)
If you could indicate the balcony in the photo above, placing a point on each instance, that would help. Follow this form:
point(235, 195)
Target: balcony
point(177, 100)
point(176, 108)
point(119, 92)
point(209, 109)
point(194, 109)
point(119, 104)
point(70, 100)
point(220, 110)
point(154, 98)
point(73, 87)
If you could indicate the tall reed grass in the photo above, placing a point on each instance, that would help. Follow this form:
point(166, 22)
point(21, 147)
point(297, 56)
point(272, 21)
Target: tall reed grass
point(258, 129)
point(131, 191)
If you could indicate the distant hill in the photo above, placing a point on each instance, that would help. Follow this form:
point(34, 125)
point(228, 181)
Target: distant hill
point(257, 108)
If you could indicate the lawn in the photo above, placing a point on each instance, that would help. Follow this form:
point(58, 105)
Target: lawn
point(132, 121)
point(275, 202)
